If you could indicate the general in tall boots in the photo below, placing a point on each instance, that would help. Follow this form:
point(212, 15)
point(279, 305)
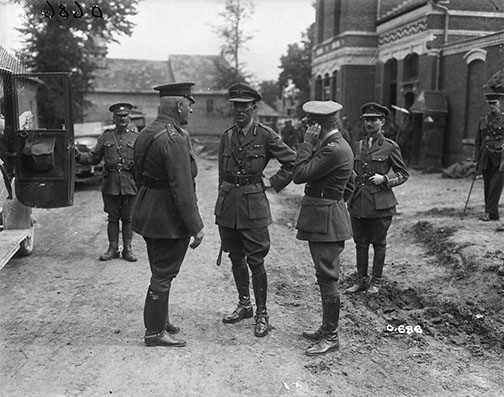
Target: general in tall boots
point(127, 233)
point(241, 277)
point(113, 238)
point(329, 339)
point(260, 285)
point(156, 319)
point(362, 270)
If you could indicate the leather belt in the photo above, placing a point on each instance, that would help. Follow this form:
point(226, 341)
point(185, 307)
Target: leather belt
point(323, 193)
point(117, 167)
point(242, 180)
point(152, 183)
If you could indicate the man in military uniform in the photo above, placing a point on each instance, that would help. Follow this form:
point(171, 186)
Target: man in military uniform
point(379, 167)
point(324, 162)
point(118, 186)
point(166, 213)
point(488, 144)
point(242, 209)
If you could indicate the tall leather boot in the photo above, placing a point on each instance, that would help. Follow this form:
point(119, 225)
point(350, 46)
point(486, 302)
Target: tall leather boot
point(378, 263)
point(362, 257)
point(155, 311)
point(113, 237)
point(244, 308)
point(169, 327)
point(330, 339)
point(127, 234)
point(260, 284)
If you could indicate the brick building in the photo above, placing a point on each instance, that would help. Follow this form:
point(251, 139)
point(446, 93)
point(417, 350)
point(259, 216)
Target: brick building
point(430, 57)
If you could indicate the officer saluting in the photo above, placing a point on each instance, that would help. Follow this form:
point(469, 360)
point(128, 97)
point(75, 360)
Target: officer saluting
point(118, 186)
point(324, 162)
point(242, 209)
point(379, 167)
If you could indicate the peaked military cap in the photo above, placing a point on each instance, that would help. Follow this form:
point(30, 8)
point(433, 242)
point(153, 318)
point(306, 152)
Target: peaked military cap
point(373, 109)
point(121, 109)
point(493, 96)
point(321, 108)
point(176, 89)
point(243, 93)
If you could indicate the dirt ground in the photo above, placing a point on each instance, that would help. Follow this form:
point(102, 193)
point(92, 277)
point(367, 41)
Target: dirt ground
point(72, 326)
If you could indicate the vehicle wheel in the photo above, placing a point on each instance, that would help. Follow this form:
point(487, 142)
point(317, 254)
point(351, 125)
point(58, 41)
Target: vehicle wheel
point(26, 246)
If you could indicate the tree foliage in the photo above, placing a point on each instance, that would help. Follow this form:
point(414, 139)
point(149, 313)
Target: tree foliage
point(296, 64)
point(270, 92)
point(70, 36)
point(235, 14)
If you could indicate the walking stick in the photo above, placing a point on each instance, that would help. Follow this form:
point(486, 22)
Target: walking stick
point(469, 195)
point(219, 257)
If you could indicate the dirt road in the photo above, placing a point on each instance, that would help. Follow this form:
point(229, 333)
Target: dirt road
point(72, 326)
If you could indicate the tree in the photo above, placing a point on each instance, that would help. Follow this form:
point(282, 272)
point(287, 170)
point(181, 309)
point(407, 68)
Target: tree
point(296, 64)
point(270, 92)
point(235, 13)
point(70, 36)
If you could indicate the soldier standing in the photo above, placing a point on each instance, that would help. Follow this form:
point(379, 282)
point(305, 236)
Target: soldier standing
point(324, 162)
point(118, 186)
point(166, 213)
point(379, 167)
point(242, 208)
point(488, 144)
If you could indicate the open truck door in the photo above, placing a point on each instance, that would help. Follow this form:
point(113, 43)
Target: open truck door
point(44, 166)
point(37, 152)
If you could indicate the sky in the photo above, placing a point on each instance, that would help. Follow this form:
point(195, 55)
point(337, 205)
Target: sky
point(165, 27)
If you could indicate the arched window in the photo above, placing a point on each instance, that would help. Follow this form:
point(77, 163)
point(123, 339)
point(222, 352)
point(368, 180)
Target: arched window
point(390, 82)
point(334, 85)
point(410, 67)
point(318, 88)
point(327, 88)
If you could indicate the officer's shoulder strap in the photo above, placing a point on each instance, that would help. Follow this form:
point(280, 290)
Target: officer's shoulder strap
point(172, 130)
point(147, 148)
point(391, 141)
point(229, 133)
point(266, 127)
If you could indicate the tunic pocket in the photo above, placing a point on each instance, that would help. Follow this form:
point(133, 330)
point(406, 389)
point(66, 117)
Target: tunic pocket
point(380, 164)
point(258, 205)
point(384, 199)
point(223, 191)
point(314, 216)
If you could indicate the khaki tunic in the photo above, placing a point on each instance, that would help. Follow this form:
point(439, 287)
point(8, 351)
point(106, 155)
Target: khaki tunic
point(384, 158)
point(247, 207)
point(116, 149)
point(489, 141)
point(326, 168)
point(170, 212)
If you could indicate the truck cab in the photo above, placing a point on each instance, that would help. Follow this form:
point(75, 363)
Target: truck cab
point(36, 154)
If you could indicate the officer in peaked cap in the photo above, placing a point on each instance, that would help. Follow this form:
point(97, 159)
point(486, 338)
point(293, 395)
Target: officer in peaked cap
point(244, 151)
point(379, 167)
point(115, 147)
point(243, 93)
point(324, 162)
point(182, 89)
point(166, 212)
point(488, 145)
point(321, 109)
point(121, 109)
point(493, 97)
point(373, 109)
